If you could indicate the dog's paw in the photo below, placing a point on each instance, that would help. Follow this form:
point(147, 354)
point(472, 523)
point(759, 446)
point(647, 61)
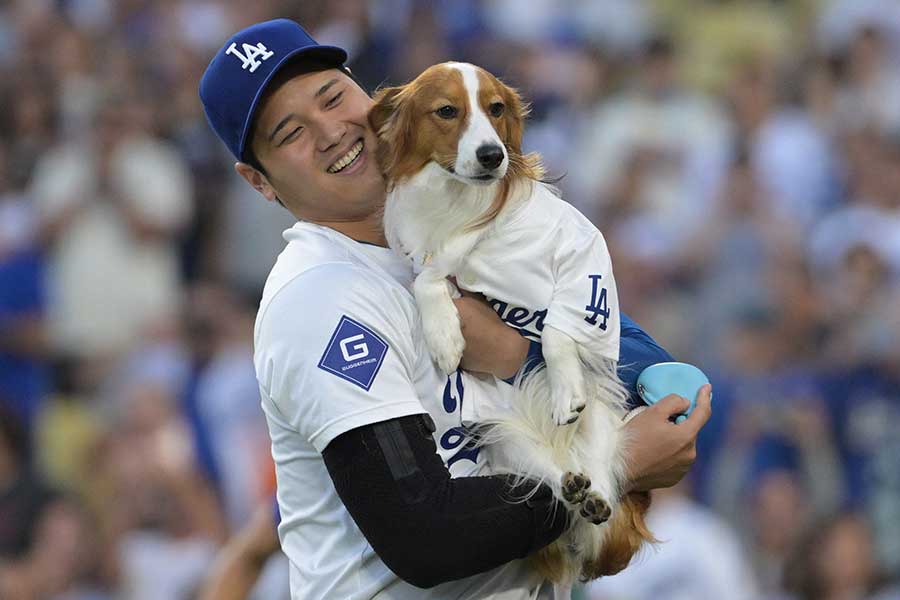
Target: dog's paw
point(575, 487)
point(567, 405)
point(595, 509)
point(445, 341)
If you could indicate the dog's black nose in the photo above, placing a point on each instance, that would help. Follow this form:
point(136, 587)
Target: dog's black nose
point(489, 155)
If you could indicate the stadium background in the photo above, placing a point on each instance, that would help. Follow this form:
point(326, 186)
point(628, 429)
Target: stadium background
point(742, 158)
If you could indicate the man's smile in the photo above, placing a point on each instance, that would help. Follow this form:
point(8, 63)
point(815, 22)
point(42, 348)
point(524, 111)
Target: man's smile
point(347, 159)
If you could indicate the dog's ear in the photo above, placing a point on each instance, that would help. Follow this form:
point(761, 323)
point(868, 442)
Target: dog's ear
point(510, 129)
point(389, 120)
point(387, 104)
point(513, 117)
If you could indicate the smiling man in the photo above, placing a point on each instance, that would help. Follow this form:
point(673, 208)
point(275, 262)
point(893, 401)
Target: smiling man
point(312, 135)
point(379, 489)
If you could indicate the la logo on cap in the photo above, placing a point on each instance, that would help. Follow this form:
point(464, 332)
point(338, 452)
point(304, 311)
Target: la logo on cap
point(250, 55)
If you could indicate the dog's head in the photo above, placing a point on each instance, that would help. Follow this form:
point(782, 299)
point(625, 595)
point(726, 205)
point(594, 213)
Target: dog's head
point(457, 116)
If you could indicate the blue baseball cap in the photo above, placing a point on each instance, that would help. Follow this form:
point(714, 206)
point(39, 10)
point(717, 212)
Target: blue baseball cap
point(238, 74)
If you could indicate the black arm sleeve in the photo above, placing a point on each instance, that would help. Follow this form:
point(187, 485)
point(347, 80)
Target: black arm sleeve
point(425, 526)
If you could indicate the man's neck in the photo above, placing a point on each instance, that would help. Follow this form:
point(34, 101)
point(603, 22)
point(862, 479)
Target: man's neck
point(369, 230)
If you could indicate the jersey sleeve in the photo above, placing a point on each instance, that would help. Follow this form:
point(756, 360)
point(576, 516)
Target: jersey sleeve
point(585, 304)
point(334, 352)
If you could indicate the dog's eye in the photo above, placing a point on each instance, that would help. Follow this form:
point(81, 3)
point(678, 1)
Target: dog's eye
point(496, 109)
point(446, 112)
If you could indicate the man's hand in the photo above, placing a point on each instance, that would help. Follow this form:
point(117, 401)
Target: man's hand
point(659, 452)
point(492, 346)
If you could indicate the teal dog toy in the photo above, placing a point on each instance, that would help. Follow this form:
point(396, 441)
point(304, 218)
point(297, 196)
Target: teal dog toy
point(658, 381)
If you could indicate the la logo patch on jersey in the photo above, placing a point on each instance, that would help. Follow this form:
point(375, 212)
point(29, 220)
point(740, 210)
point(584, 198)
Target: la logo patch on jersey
point(354, 353)
point(252, 56)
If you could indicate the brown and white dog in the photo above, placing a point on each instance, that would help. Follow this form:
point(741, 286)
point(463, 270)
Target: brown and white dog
point(464, 201)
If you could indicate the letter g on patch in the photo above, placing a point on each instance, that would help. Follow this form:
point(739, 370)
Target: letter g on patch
point(358, 350)
point(354, 353)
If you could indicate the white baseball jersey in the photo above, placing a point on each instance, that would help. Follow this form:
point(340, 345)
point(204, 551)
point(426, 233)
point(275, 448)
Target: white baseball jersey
point(544, 263)
point(338, 345)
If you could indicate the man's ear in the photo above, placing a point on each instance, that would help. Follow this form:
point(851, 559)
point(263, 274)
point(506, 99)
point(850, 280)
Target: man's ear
point(257, 180)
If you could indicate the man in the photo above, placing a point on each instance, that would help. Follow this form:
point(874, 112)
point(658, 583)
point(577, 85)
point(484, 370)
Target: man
point(366, 432)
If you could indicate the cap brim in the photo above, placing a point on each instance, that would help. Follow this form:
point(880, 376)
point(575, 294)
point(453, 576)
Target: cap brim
point(326, 54)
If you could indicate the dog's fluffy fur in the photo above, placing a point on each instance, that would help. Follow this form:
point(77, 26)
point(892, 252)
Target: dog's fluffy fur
point(441, 203)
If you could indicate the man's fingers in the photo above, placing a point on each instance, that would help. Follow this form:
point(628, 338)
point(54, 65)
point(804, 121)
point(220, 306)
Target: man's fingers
point(703, 409)
point(673, 404)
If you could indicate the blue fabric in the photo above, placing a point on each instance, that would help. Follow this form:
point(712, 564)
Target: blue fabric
point(199, 432)
point(637, 351)
point(864, 409)
point(237, 76)
point(23, 380)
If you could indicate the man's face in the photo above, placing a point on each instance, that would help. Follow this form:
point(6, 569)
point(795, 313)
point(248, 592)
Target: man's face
point(313, 139)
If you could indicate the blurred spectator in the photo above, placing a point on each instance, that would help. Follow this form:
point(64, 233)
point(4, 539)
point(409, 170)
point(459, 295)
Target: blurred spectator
point(563, 83)
point(777, 472)
point(649, 162)
point(699, 557)
point(243, 564)
point(159, 512)
point(870, 96)
point(23, 339)
point(792, 155)
point(841, 20)
point(250, 235)
point(871, 217)
point(109, 217)
point(226, 394)
point(62, 563)
point(618, 25)
point(719, 35)
point(23, 495)
point(734, 257)
point(836, 562)
point(864, 401)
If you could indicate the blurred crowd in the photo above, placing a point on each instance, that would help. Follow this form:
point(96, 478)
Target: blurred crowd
point(742, 158)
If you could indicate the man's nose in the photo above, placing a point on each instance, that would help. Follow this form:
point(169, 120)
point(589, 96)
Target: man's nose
point(330, 135)
point(489, 155)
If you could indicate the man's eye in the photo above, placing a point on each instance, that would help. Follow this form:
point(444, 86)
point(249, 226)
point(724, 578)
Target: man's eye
point(446, 112)
point(292, 135)
point(496, 109)
point(334, 100)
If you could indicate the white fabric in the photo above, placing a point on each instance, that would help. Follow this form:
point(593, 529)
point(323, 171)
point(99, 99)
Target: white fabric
point(548, 243)
point(320, 278)
point(155, 566)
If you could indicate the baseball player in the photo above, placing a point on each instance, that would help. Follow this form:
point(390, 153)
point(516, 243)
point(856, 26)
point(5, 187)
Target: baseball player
point(381, 493)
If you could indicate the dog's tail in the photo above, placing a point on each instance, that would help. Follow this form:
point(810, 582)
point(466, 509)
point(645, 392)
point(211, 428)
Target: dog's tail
point(627, 532)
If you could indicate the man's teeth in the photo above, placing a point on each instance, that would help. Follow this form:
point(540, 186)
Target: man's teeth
point(348, 158)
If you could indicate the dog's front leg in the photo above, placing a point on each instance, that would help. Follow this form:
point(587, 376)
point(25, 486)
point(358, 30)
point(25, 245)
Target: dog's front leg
point(440, 319)
point(434, 295)
point(566, 375)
